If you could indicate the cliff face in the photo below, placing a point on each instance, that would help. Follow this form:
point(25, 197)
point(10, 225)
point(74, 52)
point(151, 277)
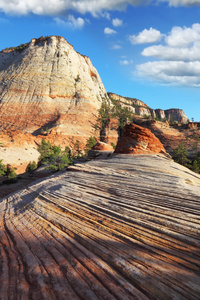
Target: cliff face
point(176, 115)
point(49, 84)
point(140, 108)
point(127, 100)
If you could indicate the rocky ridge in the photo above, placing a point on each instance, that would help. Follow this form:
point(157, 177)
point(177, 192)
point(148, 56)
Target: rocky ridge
point(120, 228)
point(140, 108)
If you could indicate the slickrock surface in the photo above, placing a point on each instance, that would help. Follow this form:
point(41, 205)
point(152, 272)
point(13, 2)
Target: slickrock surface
point(120, 228)
point(138, 140)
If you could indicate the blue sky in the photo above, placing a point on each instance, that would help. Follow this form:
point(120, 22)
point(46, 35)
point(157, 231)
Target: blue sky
point(144, 49)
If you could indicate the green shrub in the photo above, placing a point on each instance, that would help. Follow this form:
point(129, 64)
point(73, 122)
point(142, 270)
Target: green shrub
point(31, 167)
point(122, 114)
point(54, 156)
point(2, 168)
point(69, 153)
point(12, 175)
point(77, 149)
point(180, 155)
point(89, 144)
point(103, 120)
point(113, 145)
point(195, 166)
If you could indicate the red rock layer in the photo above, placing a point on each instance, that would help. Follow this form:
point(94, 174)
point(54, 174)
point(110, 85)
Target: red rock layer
point(138, 140)
point(102, 147)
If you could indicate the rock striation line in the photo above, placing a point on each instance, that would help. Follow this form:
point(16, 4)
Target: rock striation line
point(120, 228)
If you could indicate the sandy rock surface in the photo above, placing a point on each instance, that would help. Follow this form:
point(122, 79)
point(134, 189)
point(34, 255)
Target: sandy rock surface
point(125, 227)
point(102, 147)
point(138, 140)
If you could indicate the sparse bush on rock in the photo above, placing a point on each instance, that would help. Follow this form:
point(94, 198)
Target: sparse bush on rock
point(89, 144)
point(2, 168)
point(31, 167)
point(182, 157)
point(53, 156)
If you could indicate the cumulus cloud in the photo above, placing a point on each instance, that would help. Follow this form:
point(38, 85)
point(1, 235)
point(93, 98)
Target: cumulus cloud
point(179, 58)
point(174, 54)
point(126, 62)
point(71, 22)
point(171, 72)
point(108, 30)
point(146, 36)
point(95, 7)
point(176, 3)
point(54, 7)
point(117, 22)
point(183, 36)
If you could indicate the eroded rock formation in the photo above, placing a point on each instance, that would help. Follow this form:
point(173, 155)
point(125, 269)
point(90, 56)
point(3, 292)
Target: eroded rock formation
point(120, 228)
point(48, 84)
point(138, 140)
point(140, 108)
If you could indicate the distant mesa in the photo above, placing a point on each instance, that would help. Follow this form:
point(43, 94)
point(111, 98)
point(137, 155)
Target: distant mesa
point(138, 140)
point(138, 107)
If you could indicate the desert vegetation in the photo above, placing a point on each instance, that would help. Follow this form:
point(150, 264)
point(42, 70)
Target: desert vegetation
point(56, 159)
point(112, 109)
point(8, 173)
point(181, 156)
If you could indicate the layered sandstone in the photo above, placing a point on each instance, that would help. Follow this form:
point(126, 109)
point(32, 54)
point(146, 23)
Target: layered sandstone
point(142, 109)
point(48, 84)
point(121, 228)
point(138, 140)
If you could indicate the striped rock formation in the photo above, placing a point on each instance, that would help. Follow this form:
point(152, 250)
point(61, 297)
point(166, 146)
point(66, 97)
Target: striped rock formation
point(138, 140)
point(46, 83)
point(121, 228)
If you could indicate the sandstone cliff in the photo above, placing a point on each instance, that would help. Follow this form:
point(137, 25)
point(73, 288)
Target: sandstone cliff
point(140, 108)
point(122, 228)
point(47, 83)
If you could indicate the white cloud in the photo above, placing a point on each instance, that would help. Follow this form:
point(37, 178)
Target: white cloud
point(108, 30)
point(55, 7)
point(171, 72)
point(71, 22)
point(95, 7)
point(174, 53)
point(176, 3)
point(117, 22)
point(105, 15)
point(146, 36)
point(183, 36)
point(179, 55)
point(126, 62)
point(116, 47)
